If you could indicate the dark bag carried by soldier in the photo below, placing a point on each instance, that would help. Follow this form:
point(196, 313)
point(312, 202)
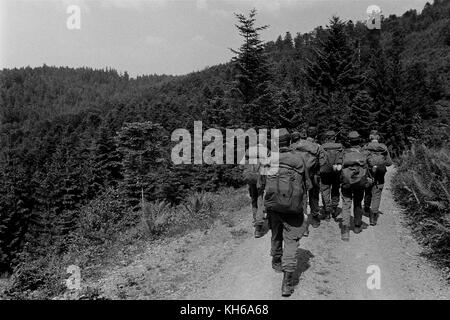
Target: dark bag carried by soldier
point(310, 152)
point(354, 172)
point(376, 157)
point(286, 189)
point(333, 157)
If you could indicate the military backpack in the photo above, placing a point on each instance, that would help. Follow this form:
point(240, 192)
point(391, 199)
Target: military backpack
point(354, 172)
point(286, 189)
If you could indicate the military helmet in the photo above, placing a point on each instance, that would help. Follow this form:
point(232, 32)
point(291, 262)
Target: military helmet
point(354, 138)
point(330, 134)
point(354, 135)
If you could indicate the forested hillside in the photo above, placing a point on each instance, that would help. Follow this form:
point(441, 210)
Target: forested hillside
point(69, 137)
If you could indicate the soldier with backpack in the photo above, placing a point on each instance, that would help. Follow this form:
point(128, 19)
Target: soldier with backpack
point(378, 159)
point(315, 191)
point(252, 176)
point(310, 150)
point(330, 159)
point(355, 178)
point(287, 183)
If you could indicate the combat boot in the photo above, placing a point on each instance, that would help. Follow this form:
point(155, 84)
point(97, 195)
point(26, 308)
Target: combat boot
point(306, 233)
point(334, 213)
point(315, 220)
point(345, 235)
point(373, 218)
point(326, 215)
point(258, 231)
point(357, 229)
point(276, 264)
point(287, 288)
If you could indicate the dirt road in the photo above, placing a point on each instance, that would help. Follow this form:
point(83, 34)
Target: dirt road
point(332, 269)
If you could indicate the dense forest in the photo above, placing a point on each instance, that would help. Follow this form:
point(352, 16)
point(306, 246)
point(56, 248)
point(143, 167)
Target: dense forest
point(69, 137)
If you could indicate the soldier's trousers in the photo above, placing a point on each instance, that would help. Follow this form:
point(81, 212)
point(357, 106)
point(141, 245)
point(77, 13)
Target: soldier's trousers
point(350, 196)
point(329, 188)
point(286, 229)
point(256, 194)
point(372, 197)
point(313, 196)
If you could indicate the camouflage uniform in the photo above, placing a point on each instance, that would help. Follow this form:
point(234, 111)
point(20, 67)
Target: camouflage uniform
point(256, 192)
point(372, 197)
point(287, 229)
point(352, 196)
point(314, 193)
point(330, 185)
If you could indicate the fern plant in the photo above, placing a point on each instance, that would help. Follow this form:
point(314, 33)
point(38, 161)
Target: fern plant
point(155, 215)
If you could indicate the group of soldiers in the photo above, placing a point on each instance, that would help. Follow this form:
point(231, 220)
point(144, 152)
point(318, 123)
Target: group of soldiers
point(355, 173)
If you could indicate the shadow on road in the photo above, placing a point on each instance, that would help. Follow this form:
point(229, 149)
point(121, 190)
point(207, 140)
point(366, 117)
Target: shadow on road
point(303, 257)
point(352, 224)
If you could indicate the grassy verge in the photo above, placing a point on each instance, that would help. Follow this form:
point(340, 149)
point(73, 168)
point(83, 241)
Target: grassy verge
point(422, 187)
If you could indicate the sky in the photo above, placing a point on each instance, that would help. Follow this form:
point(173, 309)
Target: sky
point(156, 36)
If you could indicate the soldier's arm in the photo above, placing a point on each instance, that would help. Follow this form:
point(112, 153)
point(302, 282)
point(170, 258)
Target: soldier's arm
point(308, 181)
point(317, 168)
point(322, 157)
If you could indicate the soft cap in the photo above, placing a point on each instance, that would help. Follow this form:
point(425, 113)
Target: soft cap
point(353, 135)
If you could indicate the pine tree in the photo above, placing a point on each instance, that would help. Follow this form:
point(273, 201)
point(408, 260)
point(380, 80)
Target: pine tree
point(253, 74)
point(106, 159)
point(299, 41)
point(334, 71)
point(360, 117)
point(288, 112)
point(335, 66)
point(279, 44)
point(417, 94)
point(375, 82)
point(15, 209)
point(144, 156)
point(288, 43)
point(217, 114)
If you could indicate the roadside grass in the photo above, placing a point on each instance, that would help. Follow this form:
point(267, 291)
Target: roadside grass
point(422, 187)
